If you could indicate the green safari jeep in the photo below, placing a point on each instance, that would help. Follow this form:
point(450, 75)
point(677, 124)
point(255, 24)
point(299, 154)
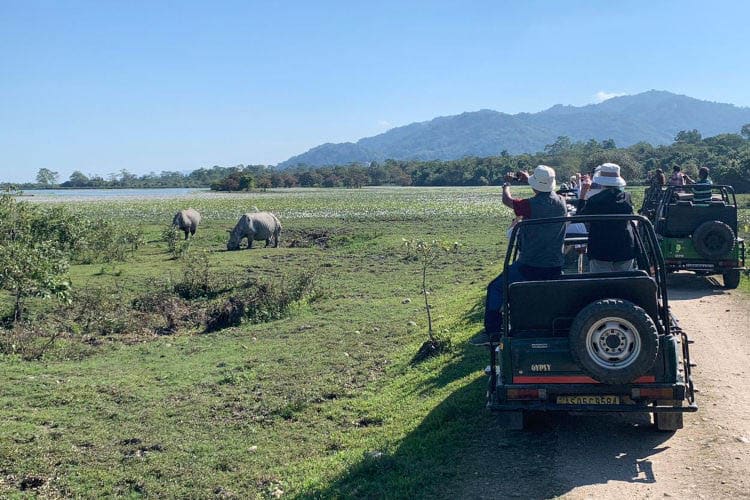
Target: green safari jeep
point(587, 342)
point(700, 236)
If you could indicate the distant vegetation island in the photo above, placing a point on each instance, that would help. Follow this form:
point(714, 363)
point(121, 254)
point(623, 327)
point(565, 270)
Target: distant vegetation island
point(464, 150)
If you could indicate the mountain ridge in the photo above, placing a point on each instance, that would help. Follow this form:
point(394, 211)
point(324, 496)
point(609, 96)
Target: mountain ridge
point(654, 116)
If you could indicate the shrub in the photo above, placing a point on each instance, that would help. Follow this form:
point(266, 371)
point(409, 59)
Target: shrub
point(85, 239)
point(197, 277)
point(176, 246)
point(29, 341)
point(29, 264)
point(259, 301)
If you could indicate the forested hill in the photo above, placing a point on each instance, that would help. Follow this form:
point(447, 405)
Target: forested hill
point(654, 117)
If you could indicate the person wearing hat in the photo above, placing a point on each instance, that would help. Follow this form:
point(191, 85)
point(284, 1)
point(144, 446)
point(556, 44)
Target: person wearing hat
point(611, 246)
point(541, 246)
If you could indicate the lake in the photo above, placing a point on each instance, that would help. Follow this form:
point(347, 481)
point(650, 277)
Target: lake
point(106, 194)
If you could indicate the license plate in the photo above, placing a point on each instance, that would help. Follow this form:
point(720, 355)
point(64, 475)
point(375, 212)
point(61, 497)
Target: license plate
point(588, 400)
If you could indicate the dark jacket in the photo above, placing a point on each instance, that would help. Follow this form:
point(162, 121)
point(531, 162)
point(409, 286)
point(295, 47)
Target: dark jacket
point(610, 241)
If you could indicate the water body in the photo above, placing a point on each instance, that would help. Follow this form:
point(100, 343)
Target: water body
point(110, 194)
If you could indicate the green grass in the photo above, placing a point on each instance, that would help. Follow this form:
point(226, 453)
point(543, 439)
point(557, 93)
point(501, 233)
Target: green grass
point(303, 404)
point(324, 403)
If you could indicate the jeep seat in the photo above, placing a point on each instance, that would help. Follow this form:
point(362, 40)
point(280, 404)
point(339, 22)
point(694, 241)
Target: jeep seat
point(564, 297)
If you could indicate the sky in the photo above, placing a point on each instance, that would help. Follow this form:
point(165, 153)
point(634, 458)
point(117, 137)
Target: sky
point(149, 86)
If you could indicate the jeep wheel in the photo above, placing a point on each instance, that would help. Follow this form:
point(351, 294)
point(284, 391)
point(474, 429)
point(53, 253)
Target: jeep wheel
point(713, 239)
point(731, 279)
point(614, 341)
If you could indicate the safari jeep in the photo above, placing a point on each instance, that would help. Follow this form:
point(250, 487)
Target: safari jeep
point(700, 237)
point(591, 342)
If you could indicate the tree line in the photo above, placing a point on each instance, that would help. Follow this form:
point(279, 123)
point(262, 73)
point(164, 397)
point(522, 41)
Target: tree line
point(727, 156)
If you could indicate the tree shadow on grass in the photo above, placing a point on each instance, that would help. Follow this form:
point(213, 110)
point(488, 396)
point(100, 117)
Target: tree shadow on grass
point(459, 450)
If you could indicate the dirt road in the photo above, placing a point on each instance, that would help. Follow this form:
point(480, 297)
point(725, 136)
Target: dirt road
point(621, 456)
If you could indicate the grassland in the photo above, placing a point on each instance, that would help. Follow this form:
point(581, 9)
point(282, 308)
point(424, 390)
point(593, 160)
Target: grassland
point(323, 403)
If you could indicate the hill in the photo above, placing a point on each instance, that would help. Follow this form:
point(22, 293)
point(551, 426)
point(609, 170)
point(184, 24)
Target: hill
point(654, 116)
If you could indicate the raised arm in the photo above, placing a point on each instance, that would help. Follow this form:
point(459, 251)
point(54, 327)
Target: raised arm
point(507, 197)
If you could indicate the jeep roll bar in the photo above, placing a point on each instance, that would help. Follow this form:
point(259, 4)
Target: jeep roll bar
point(727, 192)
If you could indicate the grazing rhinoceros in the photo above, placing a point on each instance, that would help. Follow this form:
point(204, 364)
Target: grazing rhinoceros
point(187, 220)
point(257, 226)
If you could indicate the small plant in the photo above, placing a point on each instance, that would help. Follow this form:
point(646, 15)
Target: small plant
point(197, 276)
point(175, 245)
point(427, 254)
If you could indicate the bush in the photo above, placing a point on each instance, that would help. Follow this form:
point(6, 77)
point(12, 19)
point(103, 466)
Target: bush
point(29, 341)
point(197, 277)
point(30, 265)
point(259, 301)
point(176, 245)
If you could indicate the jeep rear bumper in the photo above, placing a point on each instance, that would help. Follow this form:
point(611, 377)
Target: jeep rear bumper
point(634, 398)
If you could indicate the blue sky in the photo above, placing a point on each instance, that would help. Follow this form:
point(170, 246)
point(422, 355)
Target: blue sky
point(155, 85)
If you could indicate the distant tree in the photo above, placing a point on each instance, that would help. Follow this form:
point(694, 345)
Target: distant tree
point(561, 145)
point(246, 182)
point(78, 179)
point(746, 131)
point(630, 169)
point(126, 178)
point(609, 144)
point(688, 137)
point(46, 177)
point(264, 182)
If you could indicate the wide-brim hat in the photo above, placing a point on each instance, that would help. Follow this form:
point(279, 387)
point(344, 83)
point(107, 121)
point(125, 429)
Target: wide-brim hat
point(609, 175)
point(543, 179)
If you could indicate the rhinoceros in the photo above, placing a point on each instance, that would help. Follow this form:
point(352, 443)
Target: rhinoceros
point(187, 221)
point(257, 226)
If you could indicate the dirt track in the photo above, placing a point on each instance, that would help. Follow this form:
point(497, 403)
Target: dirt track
point(618, 456)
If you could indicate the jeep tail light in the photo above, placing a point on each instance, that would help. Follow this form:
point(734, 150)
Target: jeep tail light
point(526, 393)
point(653, 393)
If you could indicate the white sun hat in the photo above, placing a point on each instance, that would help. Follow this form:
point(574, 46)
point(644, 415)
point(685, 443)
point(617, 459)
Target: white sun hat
point(543, 179)
point(609, 175)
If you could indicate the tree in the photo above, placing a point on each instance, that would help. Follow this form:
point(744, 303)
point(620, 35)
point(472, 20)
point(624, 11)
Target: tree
point(688, 137)
point(427, 253)
point(745, 132)
point(630, 169)
point(78, 179)
point(46, 177)
point(561, 145)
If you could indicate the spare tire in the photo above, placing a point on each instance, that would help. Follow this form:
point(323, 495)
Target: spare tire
point(614, 341)
point(713, 239)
